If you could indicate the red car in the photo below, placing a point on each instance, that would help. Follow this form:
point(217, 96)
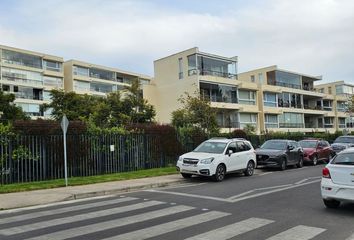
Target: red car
point(316, 150)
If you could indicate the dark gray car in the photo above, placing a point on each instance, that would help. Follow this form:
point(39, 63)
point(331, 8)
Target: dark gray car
point(342, 142)
point(280, 153)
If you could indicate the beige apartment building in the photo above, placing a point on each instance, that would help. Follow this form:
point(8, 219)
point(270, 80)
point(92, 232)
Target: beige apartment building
point(270, 98)
point(92, 79)
point(30, 76)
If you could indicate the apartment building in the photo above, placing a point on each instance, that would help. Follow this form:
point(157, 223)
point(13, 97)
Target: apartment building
point(343, 92)
point(290, 102)
point(88, 78)
point(30, 76)
point(214, 77)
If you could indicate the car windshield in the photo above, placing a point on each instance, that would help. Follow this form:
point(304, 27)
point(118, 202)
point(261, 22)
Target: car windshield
point(344, 159)
point(211, 147)
point(308, 144)
point(278, 145)
point(344, 140)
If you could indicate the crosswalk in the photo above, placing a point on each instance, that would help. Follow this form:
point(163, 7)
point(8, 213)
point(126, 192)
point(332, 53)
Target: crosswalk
point(129, 218)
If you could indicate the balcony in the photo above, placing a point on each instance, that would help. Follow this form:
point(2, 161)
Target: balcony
point(211, 73)
point(291, 125)
point(230, 125)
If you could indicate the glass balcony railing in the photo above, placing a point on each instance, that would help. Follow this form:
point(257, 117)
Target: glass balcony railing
point(208, 72)
point(291, 125)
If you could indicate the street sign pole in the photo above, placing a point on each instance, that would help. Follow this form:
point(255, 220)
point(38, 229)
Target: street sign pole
point(64, 126)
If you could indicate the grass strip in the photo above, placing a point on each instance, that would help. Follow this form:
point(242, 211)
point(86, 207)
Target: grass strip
point(75, 181)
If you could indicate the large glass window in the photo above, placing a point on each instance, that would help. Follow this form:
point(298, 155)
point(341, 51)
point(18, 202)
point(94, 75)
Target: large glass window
point(227, 119)
point(289, 100)
point(21, 59)
point(342, 106)
point(284, 79)
point(291, 120)
point(327, 105)
point(46, 96)
point(81, 86)
point(218, 92)
point(101, 74)
point(328, 122)
point(81, 71)
point(53, 81)
point(52, 66)
point(22, 76)
point(246, 97)
point(30, 109)
point(341, 122)
point(103, 88)
point(248, 118)
point(270, 99)
point(205, 65)
point(271, 120)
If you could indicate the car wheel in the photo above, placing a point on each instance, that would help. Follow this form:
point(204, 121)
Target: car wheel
point(283, 164)
point(186, 175)
point(331, 203)
point(250, 169)
point(314, 160)
point(220, 173)
point(300, 164)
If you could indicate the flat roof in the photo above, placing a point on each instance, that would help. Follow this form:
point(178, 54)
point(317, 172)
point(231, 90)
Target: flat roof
point(44, 55)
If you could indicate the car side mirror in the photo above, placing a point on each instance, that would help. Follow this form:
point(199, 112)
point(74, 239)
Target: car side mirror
point(290, 148)
point(229, 152)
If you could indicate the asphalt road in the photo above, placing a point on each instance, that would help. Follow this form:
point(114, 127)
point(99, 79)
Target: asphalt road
point(271, 205)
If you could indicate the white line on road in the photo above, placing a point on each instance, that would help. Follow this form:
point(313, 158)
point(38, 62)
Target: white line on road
point(169, 227)
point(75, 218)
point(63, 210)
point(232, 230)
point(298, 233)
point(87, 229)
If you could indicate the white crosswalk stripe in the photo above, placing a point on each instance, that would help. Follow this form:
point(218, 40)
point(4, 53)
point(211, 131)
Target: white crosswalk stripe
point(50, 229)
point(232, 230)
point(69, 233)
point(44, 213)
point(298, 233)
point(79, 217)
point(169, 227)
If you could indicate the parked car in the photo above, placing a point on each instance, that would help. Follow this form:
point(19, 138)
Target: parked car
point(280, 153)
point(343, 142)
point(217, 157)
point(337, 183)
point(316, 150)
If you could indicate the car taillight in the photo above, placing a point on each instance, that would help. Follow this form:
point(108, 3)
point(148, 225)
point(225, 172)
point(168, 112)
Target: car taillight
point(326, 173)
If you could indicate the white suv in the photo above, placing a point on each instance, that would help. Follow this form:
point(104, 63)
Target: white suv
point(217, 157)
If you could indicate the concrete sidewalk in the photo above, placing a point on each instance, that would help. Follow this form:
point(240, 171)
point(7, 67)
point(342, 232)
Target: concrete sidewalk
point(31, 198)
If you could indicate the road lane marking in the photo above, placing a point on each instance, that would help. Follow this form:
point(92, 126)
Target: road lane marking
point(239, 197)
point(63, 210)
point(75, 218)
point(232, 230)
point(169, 227)
point(2, 212)
point(298, 233)
point(87, 229)
point(351, 237)
point(190, 195)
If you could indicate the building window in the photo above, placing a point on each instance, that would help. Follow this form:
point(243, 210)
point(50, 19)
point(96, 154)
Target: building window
point(270, 99)
point(46, 96)
point(260, 78)
point(341, 122)
point(22, 76)
point(329, 90)
point(253, 79)
point(248, 118)
point(291, 120)
point(342, 106)
point(81, 71)
point(102, 88)
point(52, 66)
point(53, 82)
point(30, 109)
point(180, 68)
point(22, 59)
point(321, 90)
point(227, 119)
point(101, 74)
point(247, 97)
point(328, 122)
point(284, 79)
point(271, 120)
point(81, 86)
point(218, 92)
point(327, 105)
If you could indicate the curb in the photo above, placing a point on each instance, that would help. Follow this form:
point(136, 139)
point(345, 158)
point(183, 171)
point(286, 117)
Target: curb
point(125, 189)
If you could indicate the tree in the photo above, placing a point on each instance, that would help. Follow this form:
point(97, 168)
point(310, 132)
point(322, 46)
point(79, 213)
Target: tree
point(8, 110)
point(196, 112)
point(73, 105)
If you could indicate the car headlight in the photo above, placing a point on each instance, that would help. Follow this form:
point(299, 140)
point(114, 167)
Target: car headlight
point(180, 159)
point(207, 160)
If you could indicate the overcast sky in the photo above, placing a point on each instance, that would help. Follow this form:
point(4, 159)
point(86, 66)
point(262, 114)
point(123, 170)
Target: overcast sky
point(314, 37)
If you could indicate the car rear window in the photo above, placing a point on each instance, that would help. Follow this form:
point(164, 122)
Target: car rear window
point(344, 140)
point(344, 159)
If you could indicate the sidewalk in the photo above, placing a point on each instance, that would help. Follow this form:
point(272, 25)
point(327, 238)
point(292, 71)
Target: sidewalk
point(31, 198)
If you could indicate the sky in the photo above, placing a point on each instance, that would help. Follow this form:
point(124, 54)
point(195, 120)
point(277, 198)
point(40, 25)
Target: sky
point(314, 37)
